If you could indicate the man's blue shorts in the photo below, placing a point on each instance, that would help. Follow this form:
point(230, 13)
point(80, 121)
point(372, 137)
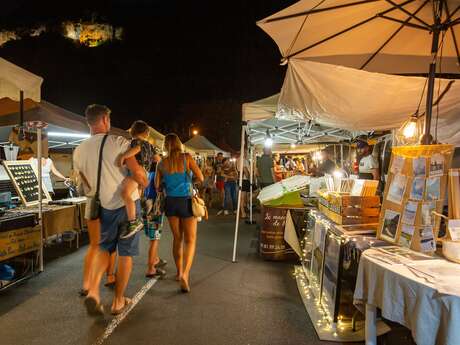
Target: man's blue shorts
point(112, 222)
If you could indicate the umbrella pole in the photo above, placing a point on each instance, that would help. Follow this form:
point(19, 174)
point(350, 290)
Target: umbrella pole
point(427, 138)
point(240, 184)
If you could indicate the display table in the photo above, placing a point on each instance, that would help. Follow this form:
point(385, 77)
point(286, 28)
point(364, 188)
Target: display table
point(408, 299)
point(56, 218)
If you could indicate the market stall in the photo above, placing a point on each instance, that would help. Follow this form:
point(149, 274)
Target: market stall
point(332, 80)
point(202, 146)
point(262, 125)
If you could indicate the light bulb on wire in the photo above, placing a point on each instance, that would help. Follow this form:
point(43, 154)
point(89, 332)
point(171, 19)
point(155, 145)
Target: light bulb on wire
point(410, 128)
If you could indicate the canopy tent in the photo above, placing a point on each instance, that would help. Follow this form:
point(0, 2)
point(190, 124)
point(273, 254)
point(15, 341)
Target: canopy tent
point(14, 79)
point(347, 98)
point(65, 128)
point(261, 120)
point(397, 37)
point(374, 35)
point(202, 145)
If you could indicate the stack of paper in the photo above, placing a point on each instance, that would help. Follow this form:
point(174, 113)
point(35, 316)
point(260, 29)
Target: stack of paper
point(364, 187)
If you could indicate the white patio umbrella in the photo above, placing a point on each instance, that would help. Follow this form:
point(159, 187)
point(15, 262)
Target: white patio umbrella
point(388, 36)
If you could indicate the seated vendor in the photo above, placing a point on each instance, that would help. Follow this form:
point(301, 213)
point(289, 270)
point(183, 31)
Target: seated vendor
point(368, 164)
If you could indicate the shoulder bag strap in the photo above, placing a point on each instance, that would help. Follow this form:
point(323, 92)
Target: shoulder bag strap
point(186, 176)
point(99, 167)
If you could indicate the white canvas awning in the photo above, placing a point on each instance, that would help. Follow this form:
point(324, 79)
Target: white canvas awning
point(202, 145)
point(374, 35)
point(263, 117)
point(14, 79)
point(261, 109)
point(347, 98)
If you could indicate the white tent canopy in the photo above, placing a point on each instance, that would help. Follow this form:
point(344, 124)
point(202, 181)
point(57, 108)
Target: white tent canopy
point(14, 79)
point(347, 98)
point(202, 145)
point(377, 35)
point(263, 118)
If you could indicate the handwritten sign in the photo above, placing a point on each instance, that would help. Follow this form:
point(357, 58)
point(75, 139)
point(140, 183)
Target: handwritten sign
point(18, 242)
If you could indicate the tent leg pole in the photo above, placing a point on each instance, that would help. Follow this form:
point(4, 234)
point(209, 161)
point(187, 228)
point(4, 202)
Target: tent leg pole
point(240, 183)
point(251, 181)
point(40, 210)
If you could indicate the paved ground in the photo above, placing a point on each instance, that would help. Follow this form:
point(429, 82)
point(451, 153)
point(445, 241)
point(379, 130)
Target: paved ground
point(251, 302)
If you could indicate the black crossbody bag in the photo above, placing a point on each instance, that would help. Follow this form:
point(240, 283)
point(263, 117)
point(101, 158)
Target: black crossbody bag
point(95, 202)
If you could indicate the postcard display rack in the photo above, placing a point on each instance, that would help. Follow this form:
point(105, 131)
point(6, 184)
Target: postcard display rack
point(416, 188)
point(327, 276)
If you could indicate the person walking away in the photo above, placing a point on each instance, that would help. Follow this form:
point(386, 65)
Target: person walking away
point(220, 181)
point(231, 195)
point(327, 166)
point(173, 174)
point(265, 169)
point(207, 185)
point(143, 152)
point(113, 214)
point(153, 223)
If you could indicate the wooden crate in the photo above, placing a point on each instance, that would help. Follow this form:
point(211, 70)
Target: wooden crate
point(345, 209)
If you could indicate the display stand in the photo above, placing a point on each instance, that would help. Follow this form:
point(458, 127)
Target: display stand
point(414, 193)
point(328, 273)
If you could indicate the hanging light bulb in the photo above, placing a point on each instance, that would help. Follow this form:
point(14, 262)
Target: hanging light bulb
point(268, 140)
point(293, 146)
point(410, 131)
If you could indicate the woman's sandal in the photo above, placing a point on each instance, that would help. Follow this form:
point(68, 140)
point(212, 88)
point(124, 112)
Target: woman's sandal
point(111, 283)
point(94, 308)
point(83, 292)
point(184, 286)
point(122, 309)
point(159, 273)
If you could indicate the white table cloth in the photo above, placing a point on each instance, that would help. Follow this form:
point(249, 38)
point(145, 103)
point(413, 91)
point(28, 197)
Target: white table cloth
point(433, 318)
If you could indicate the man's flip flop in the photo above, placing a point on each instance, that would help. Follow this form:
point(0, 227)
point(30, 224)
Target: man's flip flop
point(160, 273)
point(93, 308)
point(122, 309)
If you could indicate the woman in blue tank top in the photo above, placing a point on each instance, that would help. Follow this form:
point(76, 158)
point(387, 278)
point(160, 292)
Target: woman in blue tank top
point(174, 178)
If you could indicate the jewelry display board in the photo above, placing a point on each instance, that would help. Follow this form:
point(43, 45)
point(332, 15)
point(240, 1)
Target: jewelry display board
point(25, 180)
point(415, 188)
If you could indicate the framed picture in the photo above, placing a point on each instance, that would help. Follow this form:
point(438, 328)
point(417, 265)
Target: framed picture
point(317, 260)
point(397, 189)
point(407, 232)
point(427, 241)
point(427, 213)
point(433, 188)
point(418, 188)
point(331, 276)
point(397, 165)
point(410, 212)
point(419, 166)
point(437, 165)
point(390, 225)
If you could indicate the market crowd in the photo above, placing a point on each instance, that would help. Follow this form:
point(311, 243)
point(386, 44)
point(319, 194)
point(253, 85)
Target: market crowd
point(131, 187)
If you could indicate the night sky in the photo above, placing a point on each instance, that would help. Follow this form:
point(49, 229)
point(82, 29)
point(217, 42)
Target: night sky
point(179, 62)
